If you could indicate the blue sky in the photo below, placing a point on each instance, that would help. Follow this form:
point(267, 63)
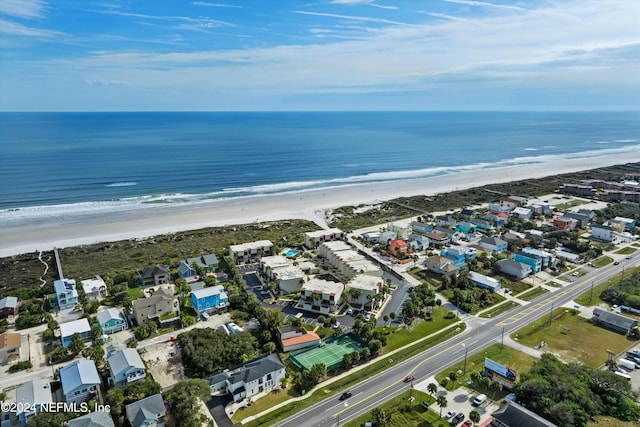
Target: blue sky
point(71, 55)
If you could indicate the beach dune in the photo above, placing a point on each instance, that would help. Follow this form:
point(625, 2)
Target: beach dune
point(310, 204)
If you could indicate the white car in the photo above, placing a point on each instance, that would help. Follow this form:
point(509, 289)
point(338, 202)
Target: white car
point(450, 414)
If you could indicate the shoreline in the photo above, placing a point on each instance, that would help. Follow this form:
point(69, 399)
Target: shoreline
point(309, 204)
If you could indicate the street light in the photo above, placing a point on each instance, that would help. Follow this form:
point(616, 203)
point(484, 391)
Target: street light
point(464, 371)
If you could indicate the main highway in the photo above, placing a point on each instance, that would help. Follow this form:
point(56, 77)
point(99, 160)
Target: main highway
point(480, 333)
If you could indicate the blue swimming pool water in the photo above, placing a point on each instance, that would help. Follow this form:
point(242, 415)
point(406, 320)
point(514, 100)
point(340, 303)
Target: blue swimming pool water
point(290, 253)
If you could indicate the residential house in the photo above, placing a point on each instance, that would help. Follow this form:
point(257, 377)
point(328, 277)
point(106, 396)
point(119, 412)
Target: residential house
point(371, 237)
point(148, 412)
point(94, 289)
point(613, 321)
point(513, 236)
point(421, 227)
point(540, 208)
point(510, 414)
point(494, 244)
point(467, 212)
point(8, 306)
point(565, 223)
point(548, 260)
point(465, 227)
point(80, 381)
point(366, 288)
point(446, 221)
point(482, 225)
point(209, 299)
point(125, 367)
point(445, 231)
point(293, 338)
point(321, 295)
point(443, 265)
point(399, 249)
point(314, 238)
point(187, 268)
point(10, 343)
point(533, 261)
point(465, 252)
point(418, 242)
point(93, 419)
point(155, 276)
point(256, 377)
point(66, 293)
point(523, 213)
point(249, 251)
point(604, 233)
point(493, 207)
point(387, 236)
point(29, 398)
point(438, 239)
point(401, 229)
point(80, 326)
point(162, 306)
point(498, 219)
point(514, 269)
point(624, 224)
point(571, 257)
point(485, 282)
point(112, 320)
point(582, 218)
point(509, 204)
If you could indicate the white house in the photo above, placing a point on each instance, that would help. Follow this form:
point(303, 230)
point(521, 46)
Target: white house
point(321, 295)
point(603, 232)
point(313, 238)
point(255, 378)
point(94, 289)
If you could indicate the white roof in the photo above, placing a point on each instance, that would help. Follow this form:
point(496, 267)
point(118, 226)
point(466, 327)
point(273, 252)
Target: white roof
point(70, 328)
point(324, 286)
point(251, 245)
point(321, 233)
point(207, 292)
point(34, 392)
point(288, 272)
point(364, 282)
point(79, 372)
point(92, 285)
point(337, 245)
point(275, 261)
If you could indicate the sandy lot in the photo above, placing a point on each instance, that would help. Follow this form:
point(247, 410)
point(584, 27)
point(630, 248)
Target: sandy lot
point(164, 363)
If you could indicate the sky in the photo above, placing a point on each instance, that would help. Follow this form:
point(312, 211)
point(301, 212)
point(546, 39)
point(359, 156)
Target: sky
point(290, 55)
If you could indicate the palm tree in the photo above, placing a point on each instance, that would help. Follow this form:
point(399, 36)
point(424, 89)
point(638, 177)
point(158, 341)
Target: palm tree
point(432, 388)
point(442, 403)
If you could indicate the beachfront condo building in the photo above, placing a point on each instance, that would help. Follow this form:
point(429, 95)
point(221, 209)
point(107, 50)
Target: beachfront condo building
point(314, 238)
point(250, 251)
point(321, 295)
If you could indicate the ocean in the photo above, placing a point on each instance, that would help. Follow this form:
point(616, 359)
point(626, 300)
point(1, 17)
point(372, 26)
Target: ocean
point(68, 164)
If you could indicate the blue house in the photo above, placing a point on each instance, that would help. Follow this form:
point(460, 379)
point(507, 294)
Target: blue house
point(494, 244)
point(148, 412)
point(531, 260)
point(186, 267)
point(421, 227)
point(80, 381)
point(208, 299)
point(485, 282)
point(66, 293)
point(112, 320)
point(465, 227)
point(418, 242)
point(30, 396)
point(68, 329)
point(125, 367)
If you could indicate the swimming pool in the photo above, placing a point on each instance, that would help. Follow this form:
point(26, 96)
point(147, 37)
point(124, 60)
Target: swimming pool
point(291, 253)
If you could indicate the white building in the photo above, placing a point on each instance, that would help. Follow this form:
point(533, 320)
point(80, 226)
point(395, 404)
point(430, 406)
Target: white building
point(255, 378)
point(603, 232)
point(94, 289)
point(280, 269)
point(321, 295)
point(347, 261)
point(367, 287)
point(314, 238)
point(249, 251)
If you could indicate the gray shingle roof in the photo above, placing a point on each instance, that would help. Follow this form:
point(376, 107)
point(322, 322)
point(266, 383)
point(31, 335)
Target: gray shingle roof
point(514, 415)
point(93, 419)
point(79, 372)
point(148, 408)
point(257, 369)
point(123, 360)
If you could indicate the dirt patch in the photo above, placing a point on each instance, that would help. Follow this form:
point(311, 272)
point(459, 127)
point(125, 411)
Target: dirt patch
point(163, 363)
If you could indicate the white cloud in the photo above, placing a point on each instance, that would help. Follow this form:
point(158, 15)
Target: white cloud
point(485, 4)
point(352, 17)
point(23, 8)
point(16, 29)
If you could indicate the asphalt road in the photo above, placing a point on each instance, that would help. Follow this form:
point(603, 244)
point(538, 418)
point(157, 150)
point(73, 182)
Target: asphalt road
point(480, 333)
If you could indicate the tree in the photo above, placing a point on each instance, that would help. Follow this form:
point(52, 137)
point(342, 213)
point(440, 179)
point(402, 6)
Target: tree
point(453, 376)
point(386, 319)
point(432, 388)
point(77, 344)
point(476, 377)
point(380, 419)
point(184, 401)
point(392, 315)
point(474, 416)
point(441, 401)
point(495, 387)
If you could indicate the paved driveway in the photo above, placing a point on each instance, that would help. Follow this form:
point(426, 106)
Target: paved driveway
point(216, 407)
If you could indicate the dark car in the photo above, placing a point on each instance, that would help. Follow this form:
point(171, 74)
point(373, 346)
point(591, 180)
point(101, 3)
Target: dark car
point(455, 420)
point(409, 378)
point(346, 395)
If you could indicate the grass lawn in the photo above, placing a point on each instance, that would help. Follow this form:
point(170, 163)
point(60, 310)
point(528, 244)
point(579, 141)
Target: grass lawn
point(398, 337)
point(582, 342)
point(588, 298)
point(554, 284)
point(570, 204)
point(499, 309)
point(516, 287)
point(514, 359)
point(611, 422)
point(533, 294)
point(626, 251)
point(602, 261)
point(405, 413)
point(425, 276)
point(135, 293)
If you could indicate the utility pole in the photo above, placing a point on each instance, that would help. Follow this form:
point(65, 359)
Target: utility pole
point(502, 340)
point(591, 295)
point(464, 371)
point(551, 314)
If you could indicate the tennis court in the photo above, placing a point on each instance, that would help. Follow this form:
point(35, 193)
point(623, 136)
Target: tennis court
point(330, 353)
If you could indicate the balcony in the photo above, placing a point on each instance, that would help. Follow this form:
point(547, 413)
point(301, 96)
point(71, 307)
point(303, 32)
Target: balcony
point(136, 377)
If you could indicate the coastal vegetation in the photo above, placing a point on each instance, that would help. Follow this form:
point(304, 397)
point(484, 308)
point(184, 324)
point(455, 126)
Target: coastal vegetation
point(625, 292)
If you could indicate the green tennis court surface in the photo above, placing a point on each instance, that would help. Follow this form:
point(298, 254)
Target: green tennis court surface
point(330, 353)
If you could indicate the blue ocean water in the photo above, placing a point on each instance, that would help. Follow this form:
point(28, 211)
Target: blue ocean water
point(64, 163)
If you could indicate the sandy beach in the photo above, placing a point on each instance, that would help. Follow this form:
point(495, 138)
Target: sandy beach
point(310, 205)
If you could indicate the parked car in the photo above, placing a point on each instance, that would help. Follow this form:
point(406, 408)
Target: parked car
point(468, 423)
point(409, 378)
point(346, 395)
point(449, 415)
point(479, 400)
point(458, 418)
point(350, 312)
